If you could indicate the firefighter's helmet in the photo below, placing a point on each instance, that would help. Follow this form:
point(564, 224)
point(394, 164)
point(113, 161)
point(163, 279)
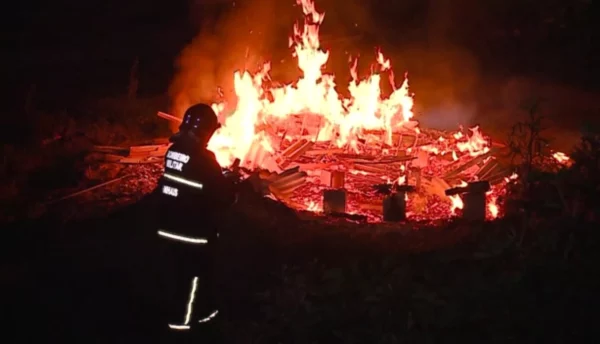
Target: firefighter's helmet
point(200, 119)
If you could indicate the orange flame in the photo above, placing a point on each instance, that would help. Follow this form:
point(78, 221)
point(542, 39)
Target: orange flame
point(476, 144)
point(457, 203)
point(313, 207)
point(314, 92)
point(492, 205)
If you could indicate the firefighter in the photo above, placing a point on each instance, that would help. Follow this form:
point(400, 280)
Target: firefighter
point(193, 191)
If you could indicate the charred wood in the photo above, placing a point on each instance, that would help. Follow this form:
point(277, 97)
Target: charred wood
point(469, 164)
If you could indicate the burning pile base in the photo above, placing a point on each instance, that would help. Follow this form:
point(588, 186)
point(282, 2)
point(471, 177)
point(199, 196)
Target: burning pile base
point(420, 166)
point(422, 161)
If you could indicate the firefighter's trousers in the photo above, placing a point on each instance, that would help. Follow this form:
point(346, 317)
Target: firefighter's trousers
point(192, 297)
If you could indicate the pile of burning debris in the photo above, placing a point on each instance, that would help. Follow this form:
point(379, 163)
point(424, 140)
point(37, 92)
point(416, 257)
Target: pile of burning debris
point(360, 154)
point(426, 175)
point(385, 182)
point(421, 177)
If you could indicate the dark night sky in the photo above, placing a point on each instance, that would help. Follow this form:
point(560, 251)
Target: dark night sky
point(87, 47)
point(91, 45)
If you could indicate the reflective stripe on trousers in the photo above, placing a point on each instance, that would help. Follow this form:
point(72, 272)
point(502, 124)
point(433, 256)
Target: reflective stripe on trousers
point(190, 305)
point(192, 296)
point(189, 310)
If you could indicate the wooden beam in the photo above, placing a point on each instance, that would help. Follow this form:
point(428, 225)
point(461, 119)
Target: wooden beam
point(169, 117)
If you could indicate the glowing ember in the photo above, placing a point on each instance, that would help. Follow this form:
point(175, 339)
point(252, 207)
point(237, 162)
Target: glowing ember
point(493, 209)
point(513, 177)
point(313, 206)
point(561, 157)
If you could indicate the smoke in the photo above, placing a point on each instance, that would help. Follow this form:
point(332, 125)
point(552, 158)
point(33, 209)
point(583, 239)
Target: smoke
point(449, 116)
point(239, 38)
point(424, 38)
point(444, 76)
point(244, 35)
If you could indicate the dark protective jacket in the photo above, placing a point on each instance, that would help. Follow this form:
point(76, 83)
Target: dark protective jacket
point(193, 190)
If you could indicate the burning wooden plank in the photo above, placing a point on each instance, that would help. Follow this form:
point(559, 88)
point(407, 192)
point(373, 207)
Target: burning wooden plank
point(284, 184)
point(386, 161)
point(300, 151)
point(284, 194)
point(355, 157)
point(407, 141)
point(487, 169)
point(333, 179)
point(293, 148)
point(314, 166)
point(169, 117)
point(289, 171)
point(267, 175)
point(280, 195)
point(148, 149)
point(317, 152)
point(370, 168)
point(476, 160)
point(286, 181)
point(112, 153)
point(369, 178)
point(293, 152)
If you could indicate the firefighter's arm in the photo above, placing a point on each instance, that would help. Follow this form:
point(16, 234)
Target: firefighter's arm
point(226, 192)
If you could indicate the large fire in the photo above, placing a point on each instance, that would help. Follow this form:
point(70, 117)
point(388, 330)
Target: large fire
point(341, 119)
point(265, 120)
